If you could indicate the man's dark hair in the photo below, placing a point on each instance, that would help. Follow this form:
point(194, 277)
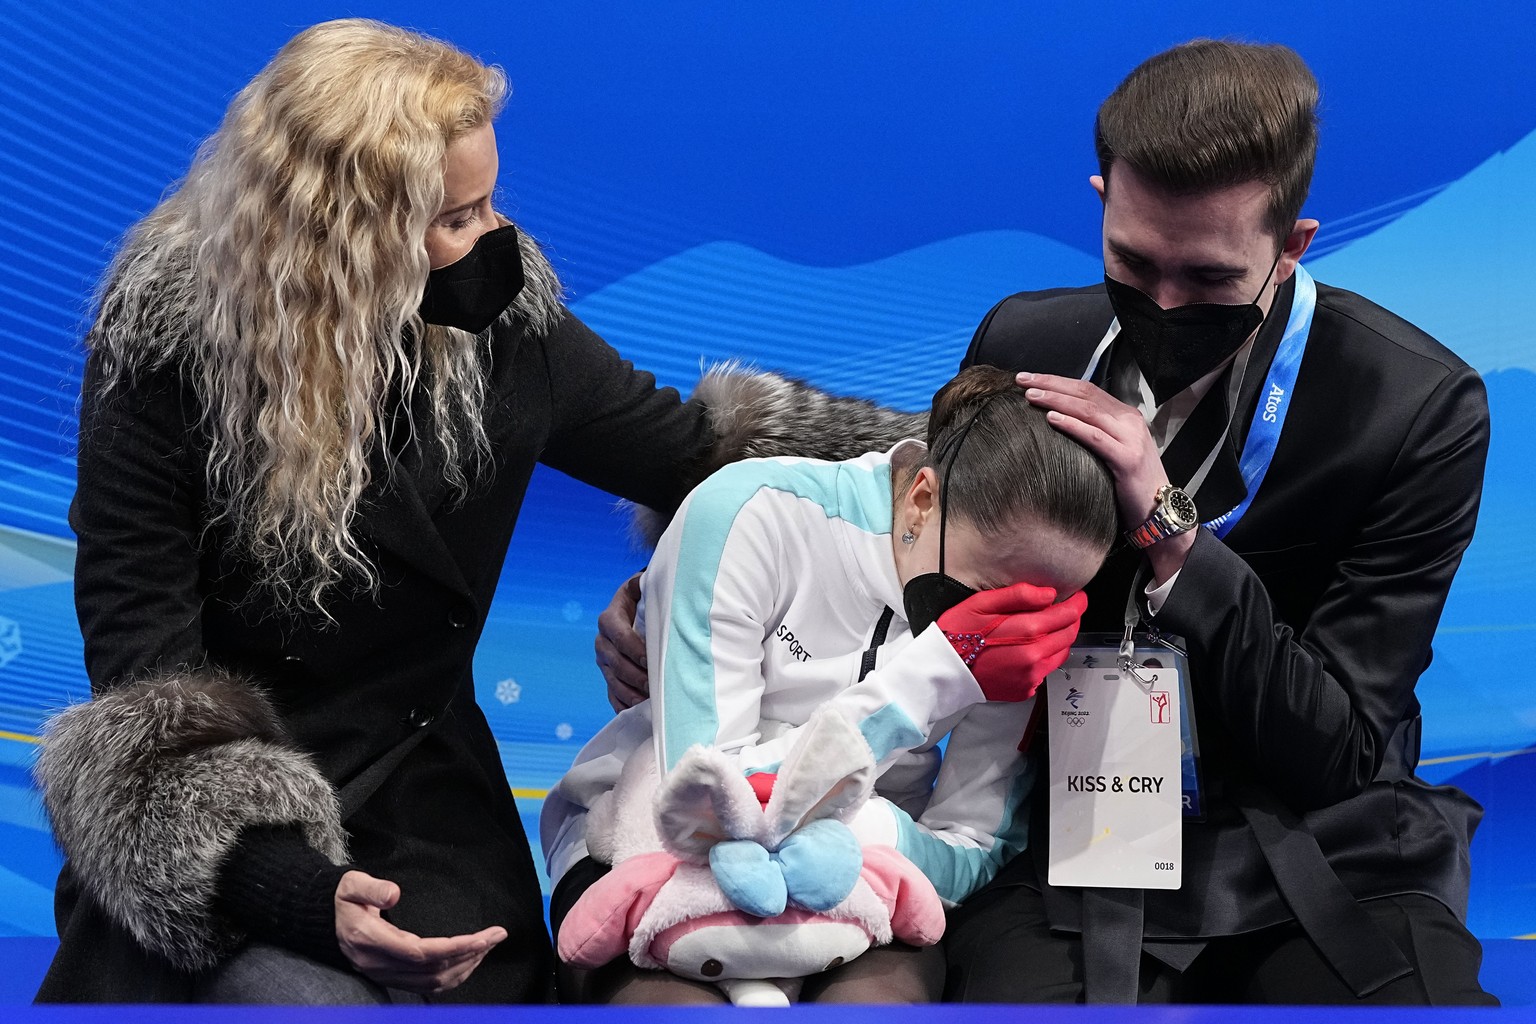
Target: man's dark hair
point(1209, 114)
point(1010, 462)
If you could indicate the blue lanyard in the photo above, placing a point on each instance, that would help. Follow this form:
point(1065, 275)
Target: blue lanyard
point(1274, 400)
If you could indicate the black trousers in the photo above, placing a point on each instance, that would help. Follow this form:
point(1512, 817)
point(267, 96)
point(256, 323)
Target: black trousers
point(1000, 949)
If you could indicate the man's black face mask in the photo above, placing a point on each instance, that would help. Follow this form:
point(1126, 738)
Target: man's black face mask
point(1176, 347)
point(472, 291)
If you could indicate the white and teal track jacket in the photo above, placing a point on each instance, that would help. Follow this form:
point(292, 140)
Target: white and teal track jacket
point(759, 605)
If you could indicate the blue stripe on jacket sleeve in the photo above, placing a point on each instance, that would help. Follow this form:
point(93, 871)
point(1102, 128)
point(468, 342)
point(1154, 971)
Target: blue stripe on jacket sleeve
point(888, 729)
point(958, 871)
point(690, 713)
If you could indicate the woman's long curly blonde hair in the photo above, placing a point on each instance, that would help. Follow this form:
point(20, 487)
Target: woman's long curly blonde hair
point(284, 275)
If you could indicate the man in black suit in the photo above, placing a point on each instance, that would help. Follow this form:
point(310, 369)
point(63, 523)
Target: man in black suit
point(1335, 454)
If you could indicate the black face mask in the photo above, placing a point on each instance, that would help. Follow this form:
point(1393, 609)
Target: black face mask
point(931, 594)
point(472, 291)
point(1176, 347)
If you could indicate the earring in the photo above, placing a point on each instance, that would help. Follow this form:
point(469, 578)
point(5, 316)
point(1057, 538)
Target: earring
point(908, 537)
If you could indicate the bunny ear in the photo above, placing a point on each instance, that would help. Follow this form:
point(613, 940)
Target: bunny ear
point(601, 923)
point(830, 771)
point(917, 913)
point(702, 801)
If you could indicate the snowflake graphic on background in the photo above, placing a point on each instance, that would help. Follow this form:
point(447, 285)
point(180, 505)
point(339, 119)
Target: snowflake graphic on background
point(10, 641)
point(509, 691)
point(564, 731)
point(571, 611)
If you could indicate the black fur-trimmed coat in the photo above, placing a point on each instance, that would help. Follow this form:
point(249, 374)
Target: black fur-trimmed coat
point(212, 714)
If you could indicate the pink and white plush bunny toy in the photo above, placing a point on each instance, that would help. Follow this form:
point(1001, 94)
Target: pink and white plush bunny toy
point(718, 879)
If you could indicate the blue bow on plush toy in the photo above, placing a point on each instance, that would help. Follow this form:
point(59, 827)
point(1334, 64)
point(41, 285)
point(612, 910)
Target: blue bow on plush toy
point(816, 867)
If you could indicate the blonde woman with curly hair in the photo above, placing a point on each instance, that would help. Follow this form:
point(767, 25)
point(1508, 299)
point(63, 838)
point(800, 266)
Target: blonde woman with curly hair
point(319, 378)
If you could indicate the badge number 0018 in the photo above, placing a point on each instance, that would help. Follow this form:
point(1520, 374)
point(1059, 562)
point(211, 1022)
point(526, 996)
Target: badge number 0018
point(1116, 798)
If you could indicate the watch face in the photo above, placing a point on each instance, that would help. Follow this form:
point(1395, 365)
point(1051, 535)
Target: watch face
point(1181, 509)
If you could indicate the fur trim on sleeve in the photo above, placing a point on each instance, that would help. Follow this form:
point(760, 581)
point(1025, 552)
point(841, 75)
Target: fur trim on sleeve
point(147, 787)
point(760, 414)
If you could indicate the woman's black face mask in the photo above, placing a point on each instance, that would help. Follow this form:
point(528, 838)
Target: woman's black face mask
point(931, 594)
point(475, 289)
point(1176, 347)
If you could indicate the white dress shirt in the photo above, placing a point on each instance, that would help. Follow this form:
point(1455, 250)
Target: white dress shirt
point(1127, 383)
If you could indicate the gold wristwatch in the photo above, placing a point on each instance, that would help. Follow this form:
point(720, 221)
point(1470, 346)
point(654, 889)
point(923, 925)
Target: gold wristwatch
point(1174, 514)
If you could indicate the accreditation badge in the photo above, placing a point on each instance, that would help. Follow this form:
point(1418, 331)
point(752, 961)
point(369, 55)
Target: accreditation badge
point(1117, 782)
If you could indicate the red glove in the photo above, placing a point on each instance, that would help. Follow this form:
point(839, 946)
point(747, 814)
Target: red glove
point(1013, 637)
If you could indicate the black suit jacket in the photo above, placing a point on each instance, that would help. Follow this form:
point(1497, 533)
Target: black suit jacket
point(1309, 625)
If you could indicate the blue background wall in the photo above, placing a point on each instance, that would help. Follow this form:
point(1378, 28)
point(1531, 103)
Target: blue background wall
point(838, 190)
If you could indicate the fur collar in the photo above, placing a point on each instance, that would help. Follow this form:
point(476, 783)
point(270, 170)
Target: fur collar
point(760, 414)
